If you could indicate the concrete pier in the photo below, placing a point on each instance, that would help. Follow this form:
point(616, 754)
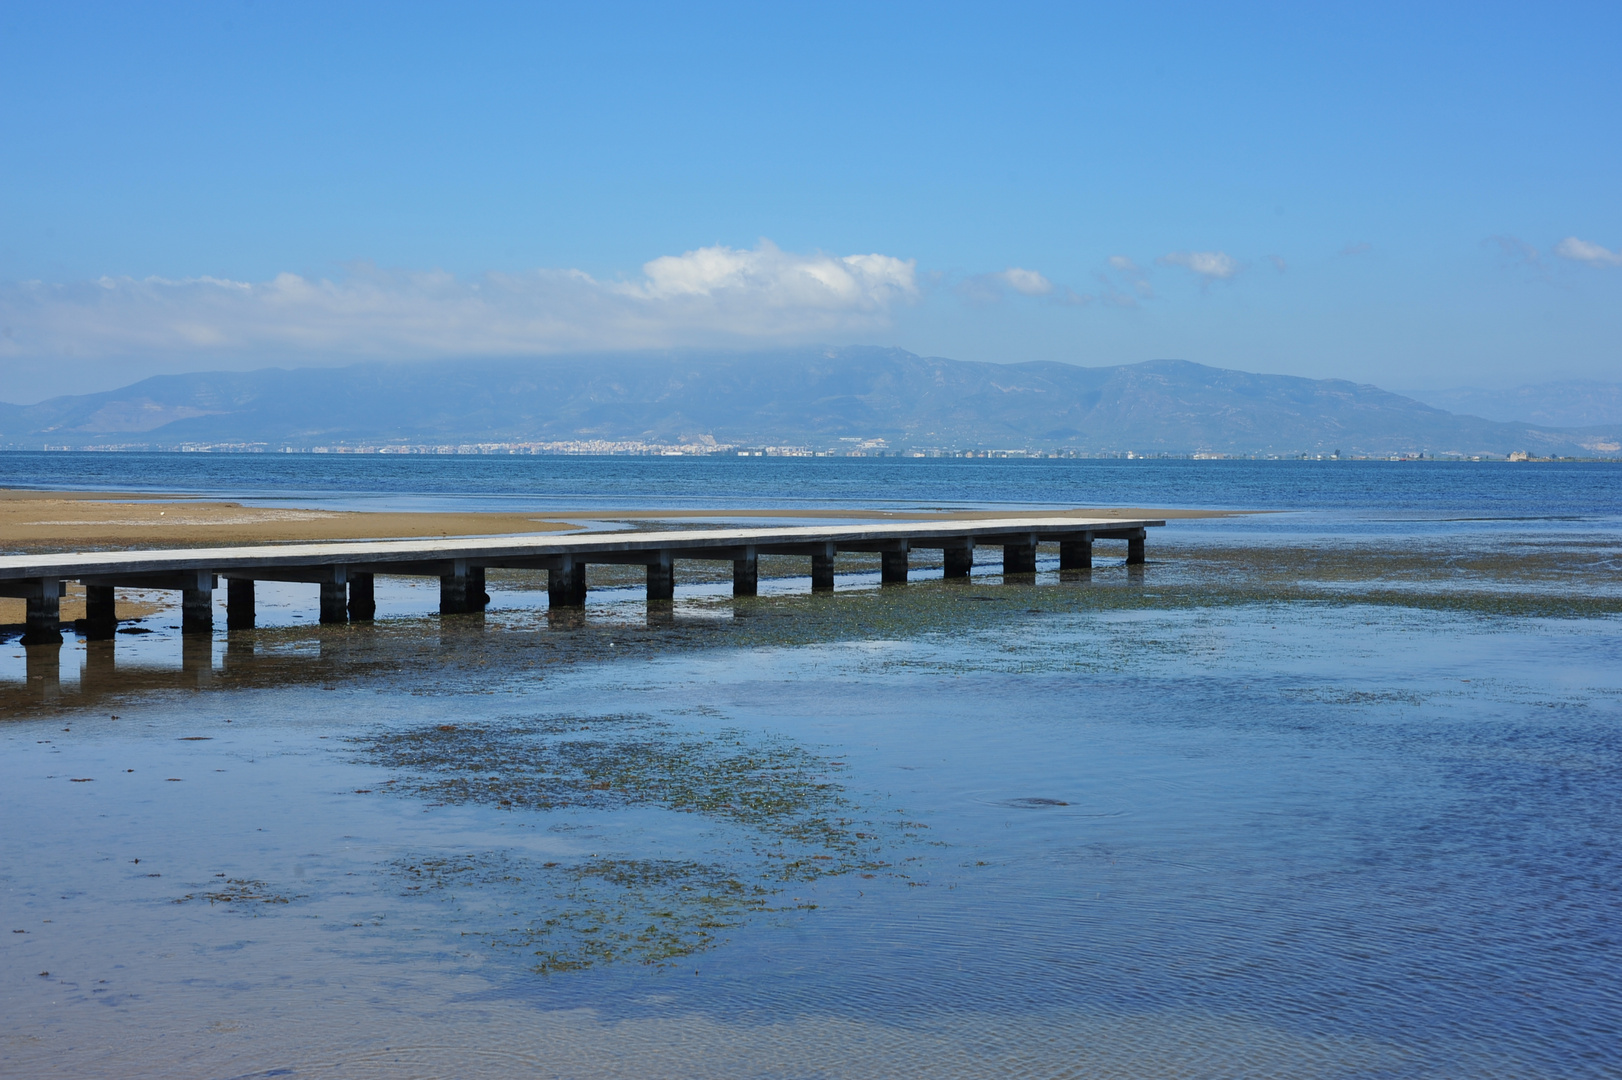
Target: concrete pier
point(345, 570)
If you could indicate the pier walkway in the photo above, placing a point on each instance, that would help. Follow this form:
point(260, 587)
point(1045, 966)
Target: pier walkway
point(344, 571)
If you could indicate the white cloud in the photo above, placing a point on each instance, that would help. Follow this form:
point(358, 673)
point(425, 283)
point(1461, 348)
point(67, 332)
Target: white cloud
point(1585, 252)
point(1210, 265)
point(712, 295)
point(1123, 264)
point(1026, 282)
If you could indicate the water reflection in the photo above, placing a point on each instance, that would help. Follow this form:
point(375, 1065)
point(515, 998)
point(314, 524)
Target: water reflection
point(1198, 829)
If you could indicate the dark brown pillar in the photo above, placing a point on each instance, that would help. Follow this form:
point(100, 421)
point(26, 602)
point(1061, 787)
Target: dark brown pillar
point(1019, 556)
point(462, 590)
point(822, 570)
point(746, 573)
point(239, 603)
point(362, 598)
point(959, 560)
point(197, 605)
point(566, 586)
point(44, 613)
point(893, 566)
point(662, 579)
point(100, 613)
point(1134, 549)
point(335, 601)
point(1076, 554)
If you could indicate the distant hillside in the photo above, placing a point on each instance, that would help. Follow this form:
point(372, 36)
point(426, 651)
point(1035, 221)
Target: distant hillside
point(1572, 403)
point(808, 397)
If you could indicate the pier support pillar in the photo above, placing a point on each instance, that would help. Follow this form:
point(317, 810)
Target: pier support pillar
point(566, 586)
point(1134, 549)
point(822, 569)
point(1019, 557)
point(239, 604)
point(197, 603)
point(662, 579)
point(44, 612)
point(335, 600)
point(893, 565)
point(1076, 554)
point(462, 590)
point(959, 560)
point(746, 573)
point(362, 598)
point(100, 614)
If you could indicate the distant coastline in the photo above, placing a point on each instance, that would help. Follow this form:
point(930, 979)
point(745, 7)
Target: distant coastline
point(818, 402)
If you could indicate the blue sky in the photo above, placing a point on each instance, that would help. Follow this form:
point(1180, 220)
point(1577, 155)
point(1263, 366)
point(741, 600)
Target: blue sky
point(1413, 195)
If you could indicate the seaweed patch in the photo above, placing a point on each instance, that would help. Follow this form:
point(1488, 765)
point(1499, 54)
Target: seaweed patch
point(238, 892)
point(570, 917)
point(781, 816)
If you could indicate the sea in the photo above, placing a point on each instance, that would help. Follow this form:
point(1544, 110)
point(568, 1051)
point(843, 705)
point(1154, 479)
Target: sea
point(1330, 787)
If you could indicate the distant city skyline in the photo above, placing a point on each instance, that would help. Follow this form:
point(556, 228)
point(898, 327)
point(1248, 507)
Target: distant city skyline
point(1416, 197)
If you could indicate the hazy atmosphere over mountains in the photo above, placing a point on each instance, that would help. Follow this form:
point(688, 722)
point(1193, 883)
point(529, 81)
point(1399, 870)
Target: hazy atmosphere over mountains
point(812, 397)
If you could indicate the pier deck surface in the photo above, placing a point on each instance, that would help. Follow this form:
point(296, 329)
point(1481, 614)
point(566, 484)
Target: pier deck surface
point(410, 556)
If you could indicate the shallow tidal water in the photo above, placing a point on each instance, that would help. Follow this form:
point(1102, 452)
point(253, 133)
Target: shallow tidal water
point(1284, 803)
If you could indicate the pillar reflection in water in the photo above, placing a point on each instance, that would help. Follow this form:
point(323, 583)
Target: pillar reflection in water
point(44, 666)
point(197, 657)
point(97, 674)
point(565, 618)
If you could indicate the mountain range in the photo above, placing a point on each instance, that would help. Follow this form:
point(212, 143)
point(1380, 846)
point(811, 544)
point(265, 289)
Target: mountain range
point(812, 397)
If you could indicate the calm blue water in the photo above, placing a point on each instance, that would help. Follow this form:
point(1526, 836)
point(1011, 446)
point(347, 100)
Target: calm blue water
point(1350, 807)
point(1355, 494)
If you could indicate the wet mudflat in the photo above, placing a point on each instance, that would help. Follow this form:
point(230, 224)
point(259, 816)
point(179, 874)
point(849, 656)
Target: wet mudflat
point(1295, 808)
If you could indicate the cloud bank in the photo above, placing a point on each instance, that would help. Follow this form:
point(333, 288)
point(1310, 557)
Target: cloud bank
point(712, 295)
point(1210, 265)
point(1584, 252)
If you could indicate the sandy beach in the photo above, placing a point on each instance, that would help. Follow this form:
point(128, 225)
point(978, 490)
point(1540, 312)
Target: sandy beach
point(66, 520)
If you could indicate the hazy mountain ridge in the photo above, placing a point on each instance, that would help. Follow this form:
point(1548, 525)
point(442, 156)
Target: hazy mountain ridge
point(1565, 403)
point(808, 397)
